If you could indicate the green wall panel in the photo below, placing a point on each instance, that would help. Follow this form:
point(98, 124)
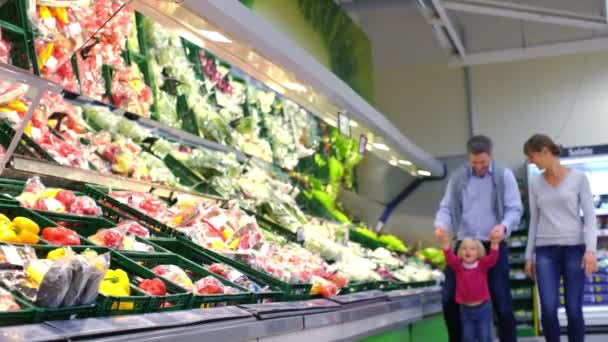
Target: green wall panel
point(327, 33)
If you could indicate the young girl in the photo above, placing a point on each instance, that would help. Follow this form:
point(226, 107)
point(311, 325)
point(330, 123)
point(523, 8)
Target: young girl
point(471, 268)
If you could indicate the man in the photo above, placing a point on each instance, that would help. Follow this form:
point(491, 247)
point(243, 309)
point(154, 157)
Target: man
point(481, 200)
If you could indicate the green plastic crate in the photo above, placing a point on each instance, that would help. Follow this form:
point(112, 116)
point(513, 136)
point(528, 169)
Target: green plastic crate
point(354, 287)
point(121, 211)
point(85, 226)
point(26, 315)
point(196, 272)
point(291, 292)
point(139, 301)
point(21, 54)
point(14, 13)
point(199, 257)
point(26, 146)
point(13, 210)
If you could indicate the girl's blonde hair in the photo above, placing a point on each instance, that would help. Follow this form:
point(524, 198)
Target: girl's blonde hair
point(481, 252)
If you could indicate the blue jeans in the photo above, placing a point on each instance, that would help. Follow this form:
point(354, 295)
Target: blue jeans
point(476, 322)
point(553, 263)
point(500, 291)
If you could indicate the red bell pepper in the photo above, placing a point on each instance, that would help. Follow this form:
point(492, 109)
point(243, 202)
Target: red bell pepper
point(154, 287)
point(61, 236)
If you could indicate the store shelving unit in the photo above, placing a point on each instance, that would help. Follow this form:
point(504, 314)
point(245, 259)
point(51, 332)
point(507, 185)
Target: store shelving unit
point(522, 288)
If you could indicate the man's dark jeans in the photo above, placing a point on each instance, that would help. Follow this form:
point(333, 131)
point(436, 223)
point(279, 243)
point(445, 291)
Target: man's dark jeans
point(500, 291)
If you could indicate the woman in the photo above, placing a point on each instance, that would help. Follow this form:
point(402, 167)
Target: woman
point(564, 244)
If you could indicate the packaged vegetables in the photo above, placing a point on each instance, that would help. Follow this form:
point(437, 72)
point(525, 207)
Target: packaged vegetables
point(67, 280)
point(37, 196)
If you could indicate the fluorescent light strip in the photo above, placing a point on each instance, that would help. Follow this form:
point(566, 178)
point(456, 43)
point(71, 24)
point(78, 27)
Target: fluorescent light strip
point(424, 173)
point(381, 146)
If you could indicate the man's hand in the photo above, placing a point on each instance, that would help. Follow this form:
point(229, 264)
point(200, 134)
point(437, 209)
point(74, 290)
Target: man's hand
point(443, 237)
point(589, 263)
point(531, 269)
point(497, 233)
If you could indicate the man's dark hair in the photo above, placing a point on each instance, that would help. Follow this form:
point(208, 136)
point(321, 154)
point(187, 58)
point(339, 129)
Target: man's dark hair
point(479, 144)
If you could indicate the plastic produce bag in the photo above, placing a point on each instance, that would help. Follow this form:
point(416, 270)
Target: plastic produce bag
point(96, 268)
point(7, 301)
point(55, 284)
point(211, 286)
point(175, 275)
point(5, 50)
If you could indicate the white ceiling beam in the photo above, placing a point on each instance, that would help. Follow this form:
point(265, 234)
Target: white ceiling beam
point(527, 13)
point(447, 23)
point(532, 52)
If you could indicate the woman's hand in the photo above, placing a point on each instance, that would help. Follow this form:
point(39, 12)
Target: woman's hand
point(589, 263)
point(531, 269)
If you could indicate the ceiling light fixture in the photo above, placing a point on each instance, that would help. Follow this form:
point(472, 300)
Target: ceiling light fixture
point(424, 173)
point(295, 86)
point(393, 162)
point(353, 123)
point(215, 36)
point(381, 146)
point(405, 162)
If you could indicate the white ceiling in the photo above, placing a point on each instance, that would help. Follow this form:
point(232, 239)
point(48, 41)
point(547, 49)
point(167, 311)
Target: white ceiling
point(400, 34)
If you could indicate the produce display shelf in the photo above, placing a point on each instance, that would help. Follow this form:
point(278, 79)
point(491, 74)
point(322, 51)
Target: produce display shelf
point(192, 251)
point(24, 167)
point(188, 177)
point(271, 225)
point(26, 145)
point(87, 226)
point(101, 195)
point(195, 272)
point(199, 257)
point(27, 314)
point(176, 298)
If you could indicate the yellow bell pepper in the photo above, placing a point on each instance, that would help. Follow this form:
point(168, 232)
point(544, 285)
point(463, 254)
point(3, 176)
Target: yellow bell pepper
point(4, 219)
point(44, 12)
point(17, 106)
point(45, 54)
point(8, 235)
point(21, 230)
point(116, 284)
point(26, 224)
point(61, 14)
point(56, 254)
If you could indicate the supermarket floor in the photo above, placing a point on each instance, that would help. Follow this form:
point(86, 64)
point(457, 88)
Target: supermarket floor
point(588, 338)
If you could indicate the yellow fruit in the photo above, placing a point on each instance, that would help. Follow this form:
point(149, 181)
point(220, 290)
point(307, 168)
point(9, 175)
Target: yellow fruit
point(61, 14)
point(227, 234)
point(235, 244)
point(44, 12)
point(28, 237)
point(44, 56)
point(3, 218)
point(56, 254)
point(26, 224)
point(28, 199)
point(50, 193)
point(217, 245)
point(7, 235)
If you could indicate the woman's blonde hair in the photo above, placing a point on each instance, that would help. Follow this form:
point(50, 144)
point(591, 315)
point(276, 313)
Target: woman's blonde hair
point(481, 252)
